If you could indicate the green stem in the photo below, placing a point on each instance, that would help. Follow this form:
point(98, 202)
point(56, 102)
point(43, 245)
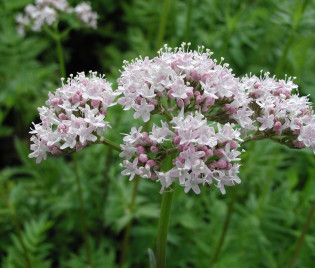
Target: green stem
point(225, 227)
point(301, 238)
point(188, 20)
point(285, 51)
point(60, 53)
point(17, 227)
point(161, 32)
point(128, 228)
point(110, 144)
point(299, 10)
point(165, 213)
point(82, 212)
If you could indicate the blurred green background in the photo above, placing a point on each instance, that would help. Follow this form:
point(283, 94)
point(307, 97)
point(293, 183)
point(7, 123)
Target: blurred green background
point(44, 219)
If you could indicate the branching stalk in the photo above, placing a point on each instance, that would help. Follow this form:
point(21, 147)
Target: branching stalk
point(110, 144)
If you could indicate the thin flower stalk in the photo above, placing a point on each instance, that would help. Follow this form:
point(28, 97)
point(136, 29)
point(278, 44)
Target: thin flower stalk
point(162, 25)
point(129, 226)
point(225, 227)
point(82, 212)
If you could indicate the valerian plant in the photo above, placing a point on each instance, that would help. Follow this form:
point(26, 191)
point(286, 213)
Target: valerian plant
point(207, 115)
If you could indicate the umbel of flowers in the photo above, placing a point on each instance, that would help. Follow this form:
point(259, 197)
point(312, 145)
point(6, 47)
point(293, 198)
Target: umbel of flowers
point(47, 12)
point(208, 114)
point(74, 117)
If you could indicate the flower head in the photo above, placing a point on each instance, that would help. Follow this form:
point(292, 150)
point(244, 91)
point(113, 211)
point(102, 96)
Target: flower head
point(47, 12)
point(74, 118)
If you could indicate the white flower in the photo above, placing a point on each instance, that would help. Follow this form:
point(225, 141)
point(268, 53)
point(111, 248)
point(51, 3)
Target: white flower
point(143, 110)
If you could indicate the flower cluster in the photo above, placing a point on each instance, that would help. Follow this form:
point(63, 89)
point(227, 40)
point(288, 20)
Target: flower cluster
point(86, 15)
point(201, 153)
point(46, 12)
point(183, 78)
point(279, 112)
point(74, 117)
point(191, 82)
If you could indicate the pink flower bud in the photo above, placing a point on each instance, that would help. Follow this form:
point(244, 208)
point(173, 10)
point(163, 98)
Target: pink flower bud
point(187, 101)
point(145, 136)
point(154, 149)
point(228, 165)
point(199, 99)
point(277, 125)
point(209, 153)
point(219, 152)
point(211, 166)
point(54, 149)
point(95, 103)
point(54, 101)
point(299, 144)
point(151, 163)
point(189, 94)
point(203, 148)
point(76, 98)
point(233, 110)
point(257, 85)
point(62, 116)
point(180, 147)
point(153, 176)
point(61, 128)
point(233, 144)
point(177, 139)
point(204, 108)
point(195, 75)
point(140, 150)
point(153, 102)
point(180, 103)
point(143, 158)
point(221, 164)
point(180, 159)
point(210, 101)
point(197, 93)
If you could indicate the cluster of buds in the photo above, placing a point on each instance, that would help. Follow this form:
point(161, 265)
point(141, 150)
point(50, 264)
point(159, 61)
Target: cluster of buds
point(47, 12)
point(75, 116)
point(201, 153)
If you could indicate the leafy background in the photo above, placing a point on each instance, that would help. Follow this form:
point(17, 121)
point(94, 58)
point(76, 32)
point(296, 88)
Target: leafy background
point(43, 216)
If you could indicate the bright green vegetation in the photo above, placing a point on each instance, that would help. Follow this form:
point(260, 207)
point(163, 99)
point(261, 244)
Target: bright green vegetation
point(48, 219)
